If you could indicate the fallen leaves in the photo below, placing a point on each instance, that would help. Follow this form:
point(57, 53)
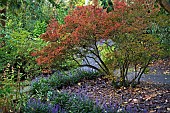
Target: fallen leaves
point(161, 66)
point(149, 96)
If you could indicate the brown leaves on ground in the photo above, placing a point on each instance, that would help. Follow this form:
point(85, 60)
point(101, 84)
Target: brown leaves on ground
point(160, 67)
point(153, 97)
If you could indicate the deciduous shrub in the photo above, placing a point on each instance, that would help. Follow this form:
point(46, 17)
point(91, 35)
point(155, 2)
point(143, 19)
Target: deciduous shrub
point(17, 53)
point(83, 38)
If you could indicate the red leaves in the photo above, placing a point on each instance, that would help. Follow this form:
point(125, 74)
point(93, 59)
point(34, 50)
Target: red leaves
point(137, 15)
point(86, 24)
point(34, 54)
point(52, 34)
point(119, 5)
point(81, 27)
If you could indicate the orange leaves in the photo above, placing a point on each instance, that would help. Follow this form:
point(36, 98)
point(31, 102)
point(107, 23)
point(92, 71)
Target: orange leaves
point(95, 2)
point(84, 25)
point(89, 21)
point(52, 33)
point(137, 15)
point(87, 24)
point(85, 21)
point(42, 60)
point(119, 5)
point(34, 54)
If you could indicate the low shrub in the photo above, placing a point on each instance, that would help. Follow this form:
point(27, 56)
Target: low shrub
point(40, 88)
point(59, 80)
point(47, 90)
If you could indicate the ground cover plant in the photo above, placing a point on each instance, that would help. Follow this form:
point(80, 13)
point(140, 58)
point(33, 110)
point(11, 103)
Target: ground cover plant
point(36, 106)
point(44, 90)
point(41, 87)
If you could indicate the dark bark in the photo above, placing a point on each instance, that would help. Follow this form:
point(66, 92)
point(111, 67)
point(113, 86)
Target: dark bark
point(140, 73)
point(98, 56)
point(144, 68)
point(90, 66)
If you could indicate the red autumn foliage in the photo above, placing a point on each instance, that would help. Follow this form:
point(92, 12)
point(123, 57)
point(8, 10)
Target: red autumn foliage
point(84, 26)
point(87, 25)
point(120, 5)
point(52, 32)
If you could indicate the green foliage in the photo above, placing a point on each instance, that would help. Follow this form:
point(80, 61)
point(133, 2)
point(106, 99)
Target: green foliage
point(40, 89)
point(17, 52)
point(72, 78)
point(106, 52)
point(58, 80)
point(65, 65)
point(28, 14)
point(160, 28)
point(61, 98)
point(6, 92)
point(25, 21)
point(62, 11)
point(11, 97)
point(107, 4)
point(136, 52)
point(39, 28)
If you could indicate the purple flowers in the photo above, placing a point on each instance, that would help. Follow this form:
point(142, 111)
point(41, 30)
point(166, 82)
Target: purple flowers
point(36, 106)
point(57, 109)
